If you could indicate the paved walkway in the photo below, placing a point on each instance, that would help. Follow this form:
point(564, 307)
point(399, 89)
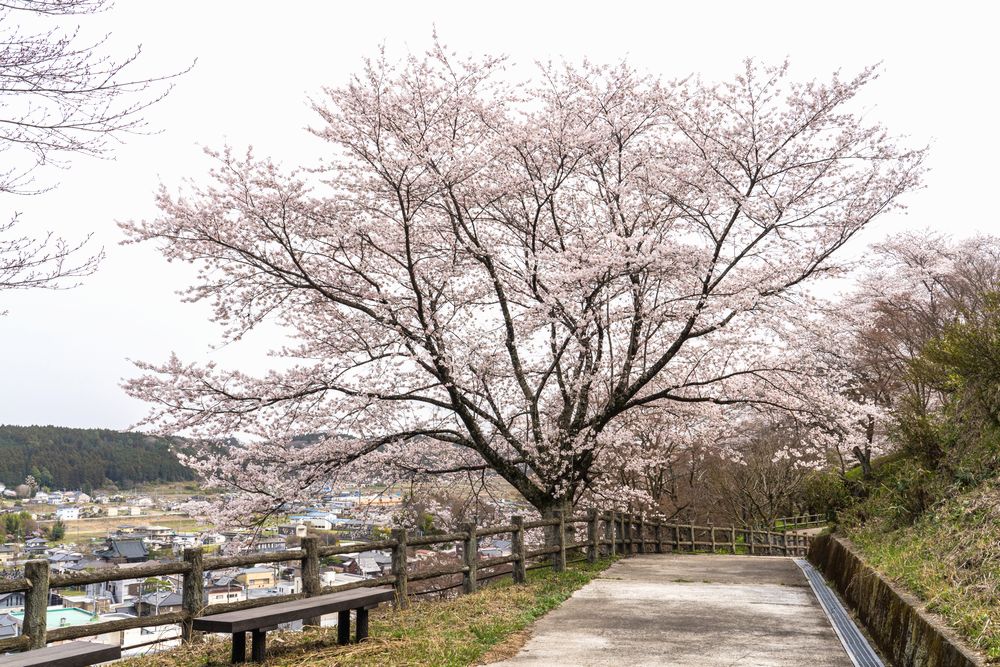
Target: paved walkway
point(689, 610)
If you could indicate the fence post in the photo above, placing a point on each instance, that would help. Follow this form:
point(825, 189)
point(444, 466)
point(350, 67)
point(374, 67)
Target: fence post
point(691, 528)
point(732, 538)
point(642, 533)
point(609, 532)
point(192, 592)
point(711, 530)
point(36, 601)
point(658, 536)
point(620, 524)
point(677, 538)
point(784, 544)
point(520, 565)
point(559, 557)
point(401, 582)
point(471, 554)
point(752, 551)
point(593, 536)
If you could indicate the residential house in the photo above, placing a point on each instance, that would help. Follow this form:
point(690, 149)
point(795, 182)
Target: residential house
point(232, 591)
point(256, 577)
point(8, 552)
point(36, 545)
point(79, 497)
point(158, 602)
point(68, 513)
point(63, 559)
point(369, 564)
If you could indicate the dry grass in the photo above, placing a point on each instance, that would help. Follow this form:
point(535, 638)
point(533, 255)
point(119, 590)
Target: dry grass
point(488, 625)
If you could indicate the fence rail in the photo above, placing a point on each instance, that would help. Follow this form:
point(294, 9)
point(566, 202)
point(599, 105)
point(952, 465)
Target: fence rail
point(801, 521)
point(607, 534)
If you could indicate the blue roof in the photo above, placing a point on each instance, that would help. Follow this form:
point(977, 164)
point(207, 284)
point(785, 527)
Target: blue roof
point(58, 617)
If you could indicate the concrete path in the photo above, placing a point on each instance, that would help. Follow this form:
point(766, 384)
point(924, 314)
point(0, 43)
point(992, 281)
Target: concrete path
point(689, 610)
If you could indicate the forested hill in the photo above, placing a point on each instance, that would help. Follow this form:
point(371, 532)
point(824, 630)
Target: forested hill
point(75, 458)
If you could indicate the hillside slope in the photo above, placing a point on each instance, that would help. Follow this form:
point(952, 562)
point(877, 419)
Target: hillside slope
point(949, 558)
point(73, 458)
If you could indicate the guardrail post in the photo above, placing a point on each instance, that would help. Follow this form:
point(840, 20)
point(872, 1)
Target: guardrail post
point(559, 558)
point(658, 536)
point(642, 533)
point(471, 554)
point(400, 583)
point(593, 536)
point(192, 592)
point(517, 550)
point(36, 601)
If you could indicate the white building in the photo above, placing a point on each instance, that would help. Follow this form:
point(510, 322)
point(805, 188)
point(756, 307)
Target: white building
point(68, 513)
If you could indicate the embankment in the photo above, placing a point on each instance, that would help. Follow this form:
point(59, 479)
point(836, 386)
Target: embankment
point(906, 635)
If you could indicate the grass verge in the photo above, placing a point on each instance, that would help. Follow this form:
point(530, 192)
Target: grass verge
point(460, 631)
point(950, 559)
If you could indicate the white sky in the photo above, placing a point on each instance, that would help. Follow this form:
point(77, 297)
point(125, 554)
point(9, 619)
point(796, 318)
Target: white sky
point(64, 353)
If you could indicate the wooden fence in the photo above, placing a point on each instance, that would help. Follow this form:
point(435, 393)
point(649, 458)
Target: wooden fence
point(607, 534)
point(801, 521)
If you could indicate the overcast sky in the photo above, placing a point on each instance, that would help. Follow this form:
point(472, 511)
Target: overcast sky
point(65, 353)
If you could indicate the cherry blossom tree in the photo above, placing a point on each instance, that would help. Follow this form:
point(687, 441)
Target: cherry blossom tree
point(60, 96)
point(490, 275)
point(913, 286)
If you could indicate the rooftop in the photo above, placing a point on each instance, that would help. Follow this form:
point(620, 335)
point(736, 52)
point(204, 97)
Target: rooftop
point(58, 617)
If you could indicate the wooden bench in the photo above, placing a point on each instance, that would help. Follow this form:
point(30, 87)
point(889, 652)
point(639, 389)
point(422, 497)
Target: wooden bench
point(259, 620)
point(70, 654)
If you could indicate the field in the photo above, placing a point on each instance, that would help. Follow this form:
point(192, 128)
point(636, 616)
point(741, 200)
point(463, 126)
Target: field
point(85, 530)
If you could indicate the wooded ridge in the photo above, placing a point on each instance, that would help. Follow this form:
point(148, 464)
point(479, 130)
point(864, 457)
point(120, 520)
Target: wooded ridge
point(74, 458)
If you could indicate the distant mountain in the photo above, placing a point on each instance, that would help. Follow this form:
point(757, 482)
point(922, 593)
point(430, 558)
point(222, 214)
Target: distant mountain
point(76, 458)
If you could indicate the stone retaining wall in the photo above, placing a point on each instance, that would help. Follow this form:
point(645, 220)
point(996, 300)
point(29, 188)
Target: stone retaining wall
point(906, 635)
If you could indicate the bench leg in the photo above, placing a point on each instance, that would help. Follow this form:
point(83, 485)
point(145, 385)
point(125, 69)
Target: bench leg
point(343, 627)
point(361, 632)
point(259, 645)
point(239, 647)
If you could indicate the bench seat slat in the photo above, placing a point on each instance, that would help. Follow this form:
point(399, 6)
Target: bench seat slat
point(260, 617)
point(71, 654)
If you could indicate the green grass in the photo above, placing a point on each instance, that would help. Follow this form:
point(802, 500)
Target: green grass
point(950, 559)
point(459, 631)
